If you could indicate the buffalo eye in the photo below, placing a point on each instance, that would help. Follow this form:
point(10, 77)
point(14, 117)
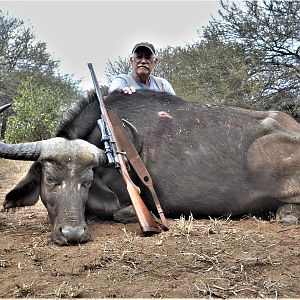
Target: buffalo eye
point(87, 180)
point(86, 184)
point(51, 181)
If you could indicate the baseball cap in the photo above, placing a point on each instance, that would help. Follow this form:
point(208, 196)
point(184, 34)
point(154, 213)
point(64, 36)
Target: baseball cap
point(144, 45)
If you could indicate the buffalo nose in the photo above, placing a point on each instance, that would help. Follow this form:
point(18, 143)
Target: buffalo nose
point(73, 234)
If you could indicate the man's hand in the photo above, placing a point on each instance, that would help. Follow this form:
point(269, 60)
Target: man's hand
point(128, 90)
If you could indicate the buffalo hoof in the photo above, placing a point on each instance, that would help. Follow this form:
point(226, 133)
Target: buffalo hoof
point(125, 215)
point(288, 214)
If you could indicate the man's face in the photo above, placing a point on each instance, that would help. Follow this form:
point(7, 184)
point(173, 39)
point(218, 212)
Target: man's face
point(143, 62)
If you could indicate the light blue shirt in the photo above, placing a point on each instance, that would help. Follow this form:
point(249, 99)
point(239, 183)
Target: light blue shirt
point(121, 81)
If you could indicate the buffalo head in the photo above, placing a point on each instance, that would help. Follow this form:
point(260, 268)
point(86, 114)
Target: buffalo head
point(61, 175)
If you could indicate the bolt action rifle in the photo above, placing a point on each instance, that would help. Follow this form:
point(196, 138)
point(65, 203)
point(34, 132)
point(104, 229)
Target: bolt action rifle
point(116, 159)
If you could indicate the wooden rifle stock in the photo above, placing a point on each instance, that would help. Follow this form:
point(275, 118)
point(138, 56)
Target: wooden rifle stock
point(145, 219)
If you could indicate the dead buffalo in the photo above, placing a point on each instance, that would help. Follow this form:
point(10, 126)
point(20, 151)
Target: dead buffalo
point(208, 160)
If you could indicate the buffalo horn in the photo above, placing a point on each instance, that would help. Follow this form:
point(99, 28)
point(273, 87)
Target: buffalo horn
point(4, 107)
point(26, 151)
point(136, 139)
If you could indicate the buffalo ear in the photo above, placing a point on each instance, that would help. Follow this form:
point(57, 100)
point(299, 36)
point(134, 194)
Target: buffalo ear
point(27, 191)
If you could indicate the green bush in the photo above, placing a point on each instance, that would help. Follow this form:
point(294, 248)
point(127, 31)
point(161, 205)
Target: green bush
point(38, 109)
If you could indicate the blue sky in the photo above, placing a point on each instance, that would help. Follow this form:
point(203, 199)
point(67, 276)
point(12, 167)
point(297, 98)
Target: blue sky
point(78, 32)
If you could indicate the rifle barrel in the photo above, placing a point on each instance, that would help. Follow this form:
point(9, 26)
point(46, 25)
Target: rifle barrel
point(146, 220)
point(107, 137)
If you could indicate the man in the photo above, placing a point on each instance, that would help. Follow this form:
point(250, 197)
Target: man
point(143, 61)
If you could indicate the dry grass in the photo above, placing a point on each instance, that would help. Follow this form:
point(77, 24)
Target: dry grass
point(68, 290)
point(212, 258)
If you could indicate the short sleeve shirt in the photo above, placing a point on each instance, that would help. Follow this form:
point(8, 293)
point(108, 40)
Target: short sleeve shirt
point(121, 81)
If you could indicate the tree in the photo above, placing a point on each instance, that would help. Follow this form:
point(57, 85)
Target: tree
point(208, 71)
point(198, 71)
point(250, 57)
point(22, 58)
point(20, 53)
point(119, 66)
point(38, 109)
point(268, 31)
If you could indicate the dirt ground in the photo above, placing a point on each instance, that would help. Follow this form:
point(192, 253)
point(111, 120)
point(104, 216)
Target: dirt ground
point(196, 258)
